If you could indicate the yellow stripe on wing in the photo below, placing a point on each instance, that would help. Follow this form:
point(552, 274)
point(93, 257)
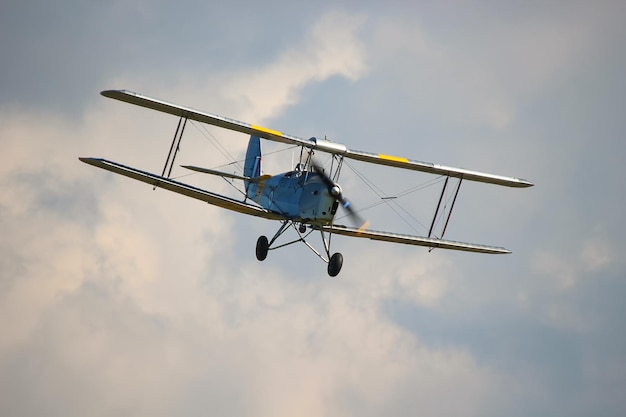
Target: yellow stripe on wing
point(392, 158)
point(266, 130)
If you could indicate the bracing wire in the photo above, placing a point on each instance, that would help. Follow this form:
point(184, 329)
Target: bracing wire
point(204, 131)
point(213, 140)
point(391, 200)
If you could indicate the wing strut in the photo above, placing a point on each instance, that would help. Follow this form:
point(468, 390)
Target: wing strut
point(456, 193)
point(445, 184)
point(443, 191)
point(175, 147)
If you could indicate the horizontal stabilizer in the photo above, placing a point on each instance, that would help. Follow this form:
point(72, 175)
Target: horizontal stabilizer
point(226, 174)
point(214, 172)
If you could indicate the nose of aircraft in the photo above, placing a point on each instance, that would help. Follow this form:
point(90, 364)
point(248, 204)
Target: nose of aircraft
point(335, 191)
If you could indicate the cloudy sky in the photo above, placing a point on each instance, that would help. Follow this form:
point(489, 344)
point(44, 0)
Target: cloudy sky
point(119, 300)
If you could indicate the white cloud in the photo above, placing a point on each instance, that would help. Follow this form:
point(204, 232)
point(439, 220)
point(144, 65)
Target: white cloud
point(562, 272)
point(120, 300)
point(491, 67)
point(597, 254)
point(566, 270)
point(132, 299)
point(332, 49)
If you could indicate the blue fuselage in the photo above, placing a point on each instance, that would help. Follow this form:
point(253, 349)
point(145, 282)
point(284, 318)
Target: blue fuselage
point(299, 195)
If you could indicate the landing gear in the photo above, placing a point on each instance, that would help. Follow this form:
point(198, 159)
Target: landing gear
point(334, 264)
point(262, 246)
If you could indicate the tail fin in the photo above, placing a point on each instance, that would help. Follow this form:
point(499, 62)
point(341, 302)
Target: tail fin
point(252, 165)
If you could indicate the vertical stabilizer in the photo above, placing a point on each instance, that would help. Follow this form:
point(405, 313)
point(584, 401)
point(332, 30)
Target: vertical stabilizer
point(252, 165)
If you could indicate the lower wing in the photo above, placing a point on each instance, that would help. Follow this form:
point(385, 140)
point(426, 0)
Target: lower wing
point(184, 189)
point(413, 240)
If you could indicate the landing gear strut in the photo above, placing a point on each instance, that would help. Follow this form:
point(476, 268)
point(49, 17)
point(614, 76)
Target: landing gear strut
point(264, 245)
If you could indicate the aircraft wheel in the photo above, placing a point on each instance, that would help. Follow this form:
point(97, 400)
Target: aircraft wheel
point(334, 264)
point(262, 246)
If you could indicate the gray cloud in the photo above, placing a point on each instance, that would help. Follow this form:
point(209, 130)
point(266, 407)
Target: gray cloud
point(116, 298)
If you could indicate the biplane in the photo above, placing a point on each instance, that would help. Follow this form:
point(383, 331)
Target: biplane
point(306, 198)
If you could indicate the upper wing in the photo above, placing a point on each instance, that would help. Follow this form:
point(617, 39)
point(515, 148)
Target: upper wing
point(414, 240)
point(184, 189)
point(466, 174)
point(203, 117)
point(312, 143)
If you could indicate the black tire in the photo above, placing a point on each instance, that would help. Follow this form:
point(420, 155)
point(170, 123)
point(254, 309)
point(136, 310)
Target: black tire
point(262, 246)
point(334, 264)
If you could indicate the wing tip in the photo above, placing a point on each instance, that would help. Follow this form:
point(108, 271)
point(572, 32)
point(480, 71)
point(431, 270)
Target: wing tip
point(109, 93)
point(524, 183)
point(116, 94)
point(87, 160)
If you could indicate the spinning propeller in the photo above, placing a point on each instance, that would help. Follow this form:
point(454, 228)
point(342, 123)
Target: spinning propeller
point(335, 190)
